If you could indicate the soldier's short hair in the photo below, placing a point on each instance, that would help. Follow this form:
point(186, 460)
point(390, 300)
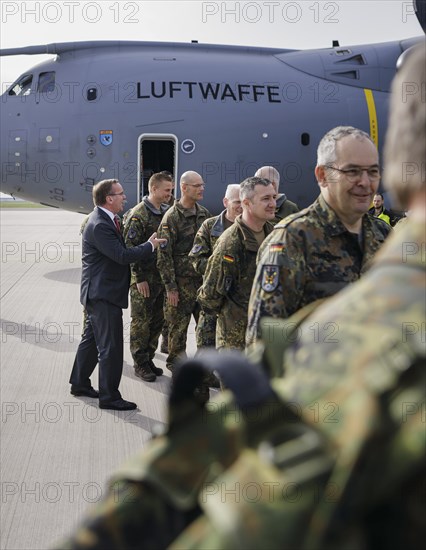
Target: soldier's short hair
point(326, 152)
point(101, 190)
point(247, 186)
point(405, 146)
point(158, 177)
point(230, 188)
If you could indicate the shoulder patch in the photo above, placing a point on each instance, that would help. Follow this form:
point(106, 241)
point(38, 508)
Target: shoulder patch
point(276, 248)
point(269, 278)
point(132, 233)
point(196, 248)
point(228, 259)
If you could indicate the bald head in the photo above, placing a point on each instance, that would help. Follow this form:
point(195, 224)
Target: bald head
point(192, 188)
point(269, 173)
point(190, 177)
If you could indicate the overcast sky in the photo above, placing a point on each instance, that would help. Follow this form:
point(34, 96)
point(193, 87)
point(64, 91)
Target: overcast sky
point(303, 24)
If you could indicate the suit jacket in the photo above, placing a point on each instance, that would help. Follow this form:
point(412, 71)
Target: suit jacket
point(106, 272)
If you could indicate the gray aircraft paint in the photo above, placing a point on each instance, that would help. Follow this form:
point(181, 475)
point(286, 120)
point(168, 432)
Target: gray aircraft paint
point(127, 109)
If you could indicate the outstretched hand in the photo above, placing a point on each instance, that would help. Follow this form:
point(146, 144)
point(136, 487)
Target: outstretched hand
point(156, 242)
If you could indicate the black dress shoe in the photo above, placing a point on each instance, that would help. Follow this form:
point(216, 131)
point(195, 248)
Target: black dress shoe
point(119, 405)
point(86, 392)
point(156, 370)
point(145, 373)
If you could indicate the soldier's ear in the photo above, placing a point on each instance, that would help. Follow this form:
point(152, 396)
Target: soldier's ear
point(320, 175)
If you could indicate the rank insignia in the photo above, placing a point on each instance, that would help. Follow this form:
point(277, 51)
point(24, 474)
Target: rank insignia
point(196, 248)
point(228, 259)
point(269, 278)
point(276, 248)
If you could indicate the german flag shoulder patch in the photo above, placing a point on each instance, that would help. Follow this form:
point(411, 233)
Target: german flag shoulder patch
point(276, 248)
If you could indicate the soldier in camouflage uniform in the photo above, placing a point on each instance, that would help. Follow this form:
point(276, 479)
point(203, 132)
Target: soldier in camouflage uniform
point(146, 288)
point(179, 226)
point(285, 206)
point(315, 253)
point(204, 242)
point(334, 458)
point(231, 268)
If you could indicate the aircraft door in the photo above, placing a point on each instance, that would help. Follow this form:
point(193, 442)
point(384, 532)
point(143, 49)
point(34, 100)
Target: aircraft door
point(157, 152)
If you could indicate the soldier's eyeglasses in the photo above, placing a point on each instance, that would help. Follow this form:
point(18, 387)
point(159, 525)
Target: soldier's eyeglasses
point(355, 174)
point(197, 185)
point(113, 194)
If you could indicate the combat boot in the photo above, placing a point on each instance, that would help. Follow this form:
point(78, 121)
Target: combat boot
point(145, 373)
point(156, 370)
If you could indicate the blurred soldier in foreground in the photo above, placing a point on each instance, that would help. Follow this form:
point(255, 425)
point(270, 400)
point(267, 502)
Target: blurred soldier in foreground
point(331, 458)
point(146, 288)
point(284, 206)
point(315, 253)
point(179, 226)
point(204, 242)
point(230, 270)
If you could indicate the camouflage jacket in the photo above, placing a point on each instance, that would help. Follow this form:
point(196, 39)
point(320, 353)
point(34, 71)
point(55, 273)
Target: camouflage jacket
point(179, 226)
point(228, 281)
point(310, 255)
point(284, 208)
point(205, 240)
point(139, 224)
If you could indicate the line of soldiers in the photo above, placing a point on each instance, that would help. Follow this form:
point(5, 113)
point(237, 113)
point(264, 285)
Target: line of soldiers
point(321, 443)
point(179, 268)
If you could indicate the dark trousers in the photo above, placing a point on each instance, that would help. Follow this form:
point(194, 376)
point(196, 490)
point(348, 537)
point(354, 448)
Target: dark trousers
point(102, 342)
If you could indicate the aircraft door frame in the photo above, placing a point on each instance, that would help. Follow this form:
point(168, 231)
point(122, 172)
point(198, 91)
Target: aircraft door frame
point(155, 137)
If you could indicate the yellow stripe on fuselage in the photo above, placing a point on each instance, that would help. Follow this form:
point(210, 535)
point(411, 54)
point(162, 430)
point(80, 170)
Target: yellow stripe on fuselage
point(372, 115)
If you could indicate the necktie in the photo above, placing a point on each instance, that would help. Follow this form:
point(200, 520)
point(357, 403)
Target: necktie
point(117, 223)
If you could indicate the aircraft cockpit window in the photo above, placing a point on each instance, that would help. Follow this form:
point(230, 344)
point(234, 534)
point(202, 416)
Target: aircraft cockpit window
point(46, 82)
point(22, 86)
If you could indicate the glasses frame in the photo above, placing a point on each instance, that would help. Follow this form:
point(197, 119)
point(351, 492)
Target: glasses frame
point(114, 194)
point(360, 169)
point(196, 185)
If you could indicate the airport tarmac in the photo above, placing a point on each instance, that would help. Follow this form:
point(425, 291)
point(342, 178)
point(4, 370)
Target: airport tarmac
point(57, 451)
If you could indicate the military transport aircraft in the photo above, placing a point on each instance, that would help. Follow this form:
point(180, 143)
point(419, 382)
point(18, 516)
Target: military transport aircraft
point(127, 109)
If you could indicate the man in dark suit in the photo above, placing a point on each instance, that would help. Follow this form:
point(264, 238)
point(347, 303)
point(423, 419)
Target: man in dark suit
point(104, 292)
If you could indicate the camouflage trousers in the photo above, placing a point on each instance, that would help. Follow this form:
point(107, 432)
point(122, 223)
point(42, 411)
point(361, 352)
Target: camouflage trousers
point(147, 322)
point(178, 318)
point(205, 333)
